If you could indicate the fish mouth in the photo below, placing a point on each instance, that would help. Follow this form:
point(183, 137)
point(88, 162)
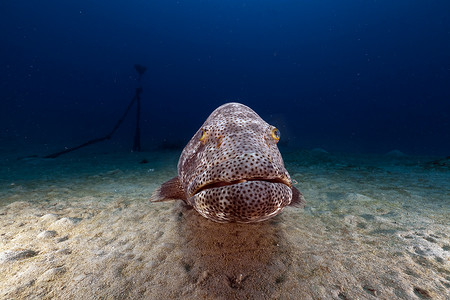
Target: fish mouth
point(233, 182)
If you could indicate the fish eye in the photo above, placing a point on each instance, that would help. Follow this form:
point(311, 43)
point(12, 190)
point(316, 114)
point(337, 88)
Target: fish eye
point(275, 134)
point(204, 135)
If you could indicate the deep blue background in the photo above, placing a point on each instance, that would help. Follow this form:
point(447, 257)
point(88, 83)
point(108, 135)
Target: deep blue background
point(354, 76)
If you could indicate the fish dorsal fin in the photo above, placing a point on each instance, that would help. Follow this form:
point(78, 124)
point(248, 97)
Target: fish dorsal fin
point(170, 190)
point(297, 199)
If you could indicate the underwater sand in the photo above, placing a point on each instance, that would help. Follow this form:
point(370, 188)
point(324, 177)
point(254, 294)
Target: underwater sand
point(81, 227)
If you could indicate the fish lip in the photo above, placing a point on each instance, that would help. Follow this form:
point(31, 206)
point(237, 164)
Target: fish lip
point(216, 184)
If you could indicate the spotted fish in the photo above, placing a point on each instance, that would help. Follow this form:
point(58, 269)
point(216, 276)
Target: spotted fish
point(231, 170)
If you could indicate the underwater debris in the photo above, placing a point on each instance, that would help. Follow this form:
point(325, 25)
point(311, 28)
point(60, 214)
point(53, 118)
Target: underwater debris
point(236, 282)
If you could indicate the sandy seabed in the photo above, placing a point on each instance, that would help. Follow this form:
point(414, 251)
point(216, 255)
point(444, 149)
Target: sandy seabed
point(81, 227)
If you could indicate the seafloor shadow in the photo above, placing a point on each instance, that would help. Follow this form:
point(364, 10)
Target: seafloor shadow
point(245, 261)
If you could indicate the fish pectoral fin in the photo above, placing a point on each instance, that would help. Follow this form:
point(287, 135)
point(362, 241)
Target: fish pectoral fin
point(297, 199)
point(170, 190)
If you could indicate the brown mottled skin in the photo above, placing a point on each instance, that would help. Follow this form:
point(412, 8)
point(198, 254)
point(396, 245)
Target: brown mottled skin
point(231, 170)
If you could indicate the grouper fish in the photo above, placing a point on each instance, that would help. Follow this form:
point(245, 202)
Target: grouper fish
point(231, 170)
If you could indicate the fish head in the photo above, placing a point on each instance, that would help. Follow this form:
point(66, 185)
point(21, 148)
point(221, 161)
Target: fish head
point(232, 170)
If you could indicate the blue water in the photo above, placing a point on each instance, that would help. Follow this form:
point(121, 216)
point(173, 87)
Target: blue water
point(348, 76)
